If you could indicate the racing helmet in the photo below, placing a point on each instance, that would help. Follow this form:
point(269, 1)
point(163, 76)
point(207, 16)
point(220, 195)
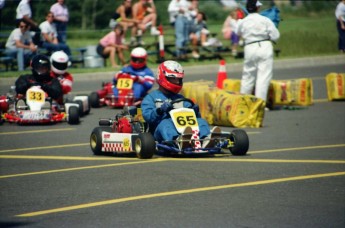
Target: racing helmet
point(168, 71)
point(40, 67)
point(59, 62)
point(138, 58)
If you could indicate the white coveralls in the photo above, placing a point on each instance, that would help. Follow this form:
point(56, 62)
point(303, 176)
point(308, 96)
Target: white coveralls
point(258, 32)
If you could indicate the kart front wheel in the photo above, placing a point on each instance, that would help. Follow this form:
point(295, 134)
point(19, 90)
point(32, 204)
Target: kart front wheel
point(73, 115)
point(96, 139)
point(94, 100)
point(240, 141)
point(145, 145)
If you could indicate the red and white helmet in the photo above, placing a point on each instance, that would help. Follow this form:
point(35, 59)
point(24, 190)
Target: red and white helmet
point(170, 70)
point(138, 58)
point(59, 61)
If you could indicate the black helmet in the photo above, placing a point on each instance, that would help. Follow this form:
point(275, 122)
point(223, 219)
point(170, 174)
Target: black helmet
point(40, 67)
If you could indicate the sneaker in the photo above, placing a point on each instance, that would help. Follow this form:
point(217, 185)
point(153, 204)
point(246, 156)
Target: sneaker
point(154, 31)
point(184, 139)
point(195, 55)
point(209, 141)
point(206, 44)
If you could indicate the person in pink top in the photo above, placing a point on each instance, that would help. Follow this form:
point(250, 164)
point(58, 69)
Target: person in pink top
point(61, 17)
point(112, 44)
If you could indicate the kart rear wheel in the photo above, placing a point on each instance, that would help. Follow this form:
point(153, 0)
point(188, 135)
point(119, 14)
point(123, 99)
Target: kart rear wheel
point(240, 142)
point(80, 107)
point(94, 100)
point(73, 115)
point(145, 145)
point(88, 106)
point(96, 139)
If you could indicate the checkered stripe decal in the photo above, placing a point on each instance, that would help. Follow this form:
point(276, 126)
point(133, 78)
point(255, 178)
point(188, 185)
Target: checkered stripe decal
point(195, 137)
point(109, 147)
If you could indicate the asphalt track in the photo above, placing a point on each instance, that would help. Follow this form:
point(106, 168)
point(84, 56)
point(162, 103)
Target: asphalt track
point(293, 175)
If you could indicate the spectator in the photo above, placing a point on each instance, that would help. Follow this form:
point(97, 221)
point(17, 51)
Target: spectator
point(142, 76)
point(40, 67)
point(124, 15)
point(111, 44)
point(49, 36)
point(19, 45)
point(61, 17)
point(340, 15)
point(199, 33)
point(24, 12)
point(145, 12)
point(229, 30)
point(180, 12)
point(2, 5)
point(258, 32)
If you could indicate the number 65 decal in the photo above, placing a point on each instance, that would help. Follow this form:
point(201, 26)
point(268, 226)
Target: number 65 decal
point(184, 118)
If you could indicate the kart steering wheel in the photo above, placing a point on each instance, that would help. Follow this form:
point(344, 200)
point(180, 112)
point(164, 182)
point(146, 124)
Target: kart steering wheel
point(182, 99)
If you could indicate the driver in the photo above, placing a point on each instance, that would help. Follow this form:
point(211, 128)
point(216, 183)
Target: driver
point(157, 104)
point(142, 76)
point(40, 67)
point(59, 63)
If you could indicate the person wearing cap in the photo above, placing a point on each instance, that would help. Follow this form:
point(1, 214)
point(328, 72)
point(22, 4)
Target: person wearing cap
point(258, 32)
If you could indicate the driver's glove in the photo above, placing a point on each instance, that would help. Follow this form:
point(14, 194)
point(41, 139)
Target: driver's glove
point(165, 107)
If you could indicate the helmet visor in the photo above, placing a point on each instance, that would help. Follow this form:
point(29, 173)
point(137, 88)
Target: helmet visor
point(174, 80)
point(60, 66)
point(138, 60)
point(42, 69)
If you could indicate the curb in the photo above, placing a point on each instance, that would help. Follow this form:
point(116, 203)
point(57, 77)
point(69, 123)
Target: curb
point(209, 69)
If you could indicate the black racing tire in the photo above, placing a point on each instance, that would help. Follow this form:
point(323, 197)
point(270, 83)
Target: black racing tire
point(88, 106)
point(145, 146)
point(80, 107)
point(73, 115)
point(96, 139)
point(94, 100)
point(240, 142)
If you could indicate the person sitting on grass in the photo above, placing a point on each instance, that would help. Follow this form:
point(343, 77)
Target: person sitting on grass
point(111, 44)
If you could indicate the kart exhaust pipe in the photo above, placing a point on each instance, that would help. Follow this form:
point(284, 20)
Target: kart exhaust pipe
point(104, 122)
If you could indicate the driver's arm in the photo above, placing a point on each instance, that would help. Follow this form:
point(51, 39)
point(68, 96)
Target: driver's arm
point(53, 88)
point(22, 85)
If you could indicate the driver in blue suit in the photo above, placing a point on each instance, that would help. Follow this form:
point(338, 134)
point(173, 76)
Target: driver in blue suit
point(143, 77)
point(157, 104)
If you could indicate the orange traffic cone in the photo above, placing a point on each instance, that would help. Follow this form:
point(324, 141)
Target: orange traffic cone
point(221, 74)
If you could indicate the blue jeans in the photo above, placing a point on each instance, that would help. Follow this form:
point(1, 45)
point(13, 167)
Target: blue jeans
point(61, 28)
point(22, 55)
point(57, 47)
point(182, 27)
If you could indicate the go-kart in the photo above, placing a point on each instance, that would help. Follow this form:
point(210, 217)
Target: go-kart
point(36, 108)
point(128, 132)
point(236, 141)
point(106, 95)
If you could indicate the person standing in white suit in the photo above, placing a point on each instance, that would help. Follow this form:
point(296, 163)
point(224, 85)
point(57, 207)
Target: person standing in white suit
point(258, 32)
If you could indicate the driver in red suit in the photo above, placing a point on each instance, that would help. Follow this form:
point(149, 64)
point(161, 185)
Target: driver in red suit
point(59, 63)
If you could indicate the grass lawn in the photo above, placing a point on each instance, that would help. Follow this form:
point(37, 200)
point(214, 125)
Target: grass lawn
point(300, 37)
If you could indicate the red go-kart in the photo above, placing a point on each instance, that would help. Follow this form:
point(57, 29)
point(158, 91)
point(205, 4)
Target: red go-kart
point(106, 95)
